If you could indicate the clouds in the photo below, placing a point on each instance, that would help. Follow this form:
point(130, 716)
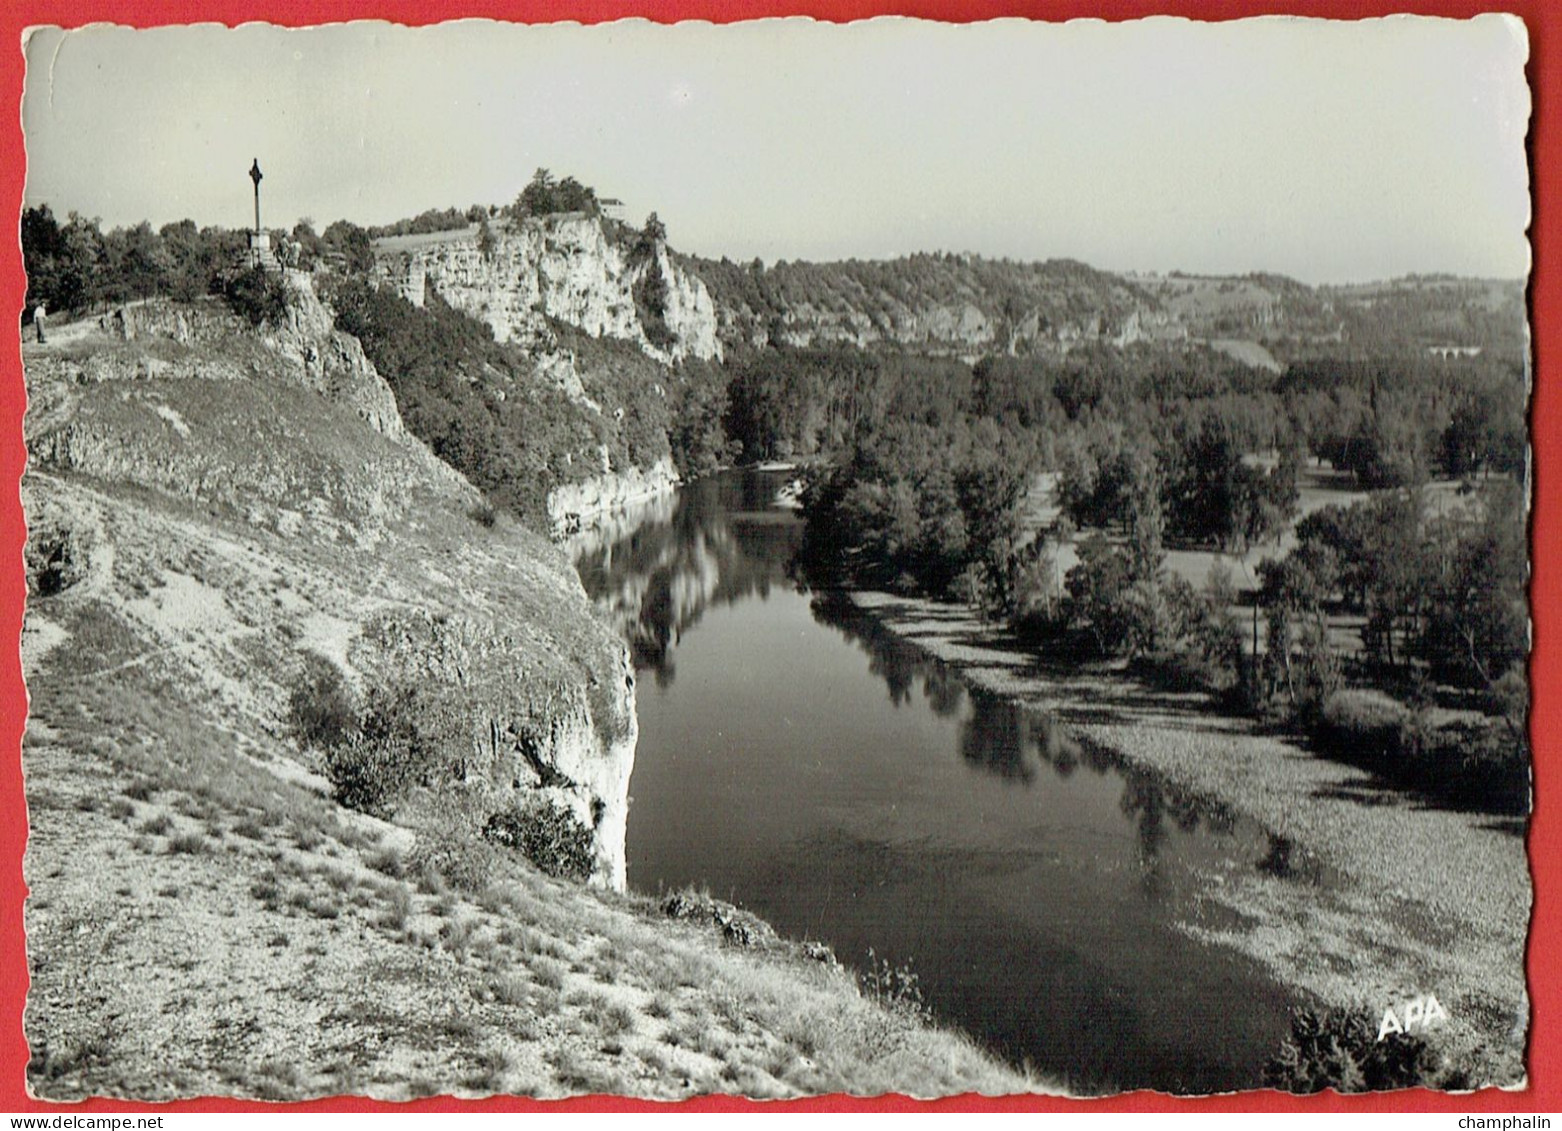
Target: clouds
point(1325, 150)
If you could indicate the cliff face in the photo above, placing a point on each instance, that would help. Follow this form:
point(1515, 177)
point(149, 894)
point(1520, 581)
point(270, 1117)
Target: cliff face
point(234, 500)
point(963, 306)
point(577, 506)
point(564, 267)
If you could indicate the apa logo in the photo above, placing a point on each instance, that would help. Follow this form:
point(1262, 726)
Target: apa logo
point(1419, 1013)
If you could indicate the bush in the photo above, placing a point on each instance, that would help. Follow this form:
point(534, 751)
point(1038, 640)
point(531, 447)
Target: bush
point(257, 296)
point(483, 514)
point(370, 776)
point(322, 711)
point(1363, 726)
point(1508, 697)
point(1037, 593)
point(897, 988)
point(449, 856)
point(1476, 763)
point(1473, 762)
point(408, 736)
point(738, 927)
point(546, 833)
point(1340, 1049)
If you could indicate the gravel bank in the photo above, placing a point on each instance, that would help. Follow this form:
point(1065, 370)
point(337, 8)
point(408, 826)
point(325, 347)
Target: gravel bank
point(1417, 900)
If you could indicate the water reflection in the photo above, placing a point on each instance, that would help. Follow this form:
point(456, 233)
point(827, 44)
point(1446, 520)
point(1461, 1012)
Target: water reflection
point(653, 571)
point(851, 788)
point(1005, 739)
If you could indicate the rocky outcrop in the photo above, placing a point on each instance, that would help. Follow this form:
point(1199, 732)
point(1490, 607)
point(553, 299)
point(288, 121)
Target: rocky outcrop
point(239, 499)
point(576, 506)
point(217, 344)
point(529, 731)
point(953, 305)
point(566, 267)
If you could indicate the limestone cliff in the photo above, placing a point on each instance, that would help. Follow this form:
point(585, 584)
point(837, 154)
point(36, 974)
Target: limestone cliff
point(568, 267)
point(233, 500)
point(576, 506)
point(955, 305)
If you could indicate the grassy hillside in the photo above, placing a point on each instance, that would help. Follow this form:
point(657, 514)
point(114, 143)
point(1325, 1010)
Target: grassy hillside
point(205, 918)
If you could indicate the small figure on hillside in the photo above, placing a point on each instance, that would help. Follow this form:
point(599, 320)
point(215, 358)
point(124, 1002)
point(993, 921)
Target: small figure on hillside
point(40, 316)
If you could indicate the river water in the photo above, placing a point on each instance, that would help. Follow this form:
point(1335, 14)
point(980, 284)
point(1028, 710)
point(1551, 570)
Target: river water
point(800, 762)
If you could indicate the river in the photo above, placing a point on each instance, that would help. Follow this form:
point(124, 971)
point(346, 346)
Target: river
point(799, 761)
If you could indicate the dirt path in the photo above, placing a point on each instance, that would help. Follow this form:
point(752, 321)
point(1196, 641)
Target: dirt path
point(1403, 899)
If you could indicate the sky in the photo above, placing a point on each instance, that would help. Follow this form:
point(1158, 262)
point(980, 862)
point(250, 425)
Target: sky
point(1328, 151)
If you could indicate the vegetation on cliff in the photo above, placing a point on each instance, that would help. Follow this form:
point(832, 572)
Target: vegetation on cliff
point(481, 408)
point(234, 579)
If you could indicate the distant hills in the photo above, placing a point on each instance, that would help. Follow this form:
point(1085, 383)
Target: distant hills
point(940, 304)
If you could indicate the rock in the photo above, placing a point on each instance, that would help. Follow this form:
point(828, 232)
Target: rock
point(564, 267)
point(233, 524)
point(574, 507)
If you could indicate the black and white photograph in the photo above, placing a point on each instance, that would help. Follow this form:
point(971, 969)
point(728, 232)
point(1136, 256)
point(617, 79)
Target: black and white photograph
point(776, 559)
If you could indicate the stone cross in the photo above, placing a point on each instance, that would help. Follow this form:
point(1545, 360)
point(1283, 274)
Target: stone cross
point(254, 175)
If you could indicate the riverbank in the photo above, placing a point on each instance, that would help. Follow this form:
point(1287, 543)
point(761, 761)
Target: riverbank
point(1400, 900)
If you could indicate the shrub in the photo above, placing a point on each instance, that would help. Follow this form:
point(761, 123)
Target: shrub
point(189, 844)
point(896, 988)
point(463, 861)
point(1038, 609)
point(321, 710)
point(547, 834)
point(371, 776)
point(1480, 763)
point(1363, 726)
point(408, 736)
point(483, 513)
point(1340, 1049)
point(138, 791)
point(738, 927)
point(1508, 697)
point(388, 861)
point(257, 296)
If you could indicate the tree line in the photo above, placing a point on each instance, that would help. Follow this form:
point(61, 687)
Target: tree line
point(1149, 451)
point(76, 267)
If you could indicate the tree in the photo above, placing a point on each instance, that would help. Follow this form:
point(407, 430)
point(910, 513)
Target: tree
point(82, 264)
point(310, 246)
point(43, 252)
point(1389, 448)
point(258, 296)
point(536, 198)
point(1097, 590)
point(572, 196)
point(1487, 430)
point(139, 263)
point(351, 243)
point(990, 489)
point(1391, 571)
point(1299, 663)
point(1215, 494)
point(1477, 624)
point(189, 276)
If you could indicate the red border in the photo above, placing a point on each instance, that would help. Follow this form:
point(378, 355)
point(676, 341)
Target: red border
point(1545, 29)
